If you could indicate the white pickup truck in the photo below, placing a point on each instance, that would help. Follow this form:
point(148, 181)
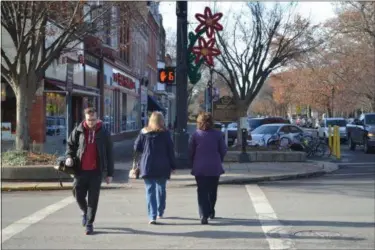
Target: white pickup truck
point(338, 121)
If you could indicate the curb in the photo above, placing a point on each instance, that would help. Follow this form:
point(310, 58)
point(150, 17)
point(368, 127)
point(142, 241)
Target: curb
point(58, 188)
point(327, 167)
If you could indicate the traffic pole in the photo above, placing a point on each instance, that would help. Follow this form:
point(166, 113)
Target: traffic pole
point(181, 134)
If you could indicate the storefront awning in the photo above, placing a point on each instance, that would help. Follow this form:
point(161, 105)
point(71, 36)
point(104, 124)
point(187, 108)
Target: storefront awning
point(154, 105)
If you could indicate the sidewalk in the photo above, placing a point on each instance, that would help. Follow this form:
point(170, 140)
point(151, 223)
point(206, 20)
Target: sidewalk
point(235, 173)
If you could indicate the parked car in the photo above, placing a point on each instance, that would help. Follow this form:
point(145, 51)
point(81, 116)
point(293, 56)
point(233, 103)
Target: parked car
point(362, 132)
point(232, 132)
point(326, 122)
point(256, 122)
point(263, 133)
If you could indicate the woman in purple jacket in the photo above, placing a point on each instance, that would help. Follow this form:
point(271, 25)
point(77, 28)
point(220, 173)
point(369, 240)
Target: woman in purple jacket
point(207, 151)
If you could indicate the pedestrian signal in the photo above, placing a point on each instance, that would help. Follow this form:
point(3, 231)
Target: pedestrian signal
point(167, 75)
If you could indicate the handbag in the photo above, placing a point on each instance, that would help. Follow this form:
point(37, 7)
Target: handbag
point(61, 167)
point(134, 171)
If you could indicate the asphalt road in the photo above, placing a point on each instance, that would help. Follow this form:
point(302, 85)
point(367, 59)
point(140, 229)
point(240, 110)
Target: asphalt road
point(335, 211)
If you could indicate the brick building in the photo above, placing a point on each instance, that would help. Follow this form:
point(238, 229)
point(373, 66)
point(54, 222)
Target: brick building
point(110, 70)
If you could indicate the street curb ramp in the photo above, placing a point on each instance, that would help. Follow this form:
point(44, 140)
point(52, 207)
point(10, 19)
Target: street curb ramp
point(326, 167)
point(266, 156)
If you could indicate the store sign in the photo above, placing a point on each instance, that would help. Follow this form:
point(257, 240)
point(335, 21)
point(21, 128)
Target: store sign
point(69, 76)
point(123, 81)
point(92, 60)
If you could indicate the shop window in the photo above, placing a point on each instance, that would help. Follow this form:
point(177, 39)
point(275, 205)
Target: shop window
point(91, 75)
point(109, 121)
point(55, 114)
point(132, 113)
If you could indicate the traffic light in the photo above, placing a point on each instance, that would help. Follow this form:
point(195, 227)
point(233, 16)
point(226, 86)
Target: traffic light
point(167, 75)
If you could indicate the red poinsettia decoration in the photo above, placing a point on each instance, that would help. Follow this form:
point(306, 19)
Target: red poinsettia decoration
point(206, 50)
point(209, 21)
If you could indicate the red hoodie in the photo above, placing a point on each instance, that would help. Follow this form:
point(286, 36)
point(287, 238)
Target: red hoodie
point(90, 156)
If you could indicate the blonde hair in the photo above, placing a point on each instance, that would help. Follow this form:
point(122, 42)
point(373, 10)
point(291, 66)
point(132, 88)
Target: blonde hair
point(156, 122)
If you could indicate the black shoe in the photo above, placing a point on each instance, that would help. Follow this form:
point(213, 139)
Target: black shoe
point(84, 220)
point(89, 229)
point(204, 221)
point(212, 215)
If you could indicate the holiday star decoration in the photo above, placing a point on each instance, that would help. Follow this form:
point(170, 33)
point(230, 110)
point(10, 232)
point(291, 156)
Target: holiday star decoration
point(209, 22)
point(205, 51)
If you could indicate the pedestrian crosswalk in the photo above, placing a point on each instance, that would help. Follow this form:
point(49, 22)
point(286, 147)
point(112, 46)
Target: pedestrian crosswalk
point(248, 217)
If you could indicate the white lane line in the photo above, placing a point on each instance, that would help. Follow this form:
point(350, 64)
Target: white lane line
point(268, 220)
point(20, 225)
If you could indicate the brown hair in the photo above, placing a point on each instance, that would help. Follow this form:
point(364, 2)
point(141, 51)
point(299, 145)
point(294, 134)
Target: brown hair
point(156, 122)
point(90, 111)
point(205, 121)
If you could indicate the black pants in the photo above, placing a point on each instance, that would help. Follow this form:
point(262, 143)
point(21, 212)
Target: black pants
point(207, 194)
point(87, 183)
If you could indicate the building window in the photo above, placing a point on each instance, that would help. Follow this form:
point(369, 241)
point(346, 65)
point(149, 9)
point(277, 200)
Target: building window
point(124, 42)
point(109, 105)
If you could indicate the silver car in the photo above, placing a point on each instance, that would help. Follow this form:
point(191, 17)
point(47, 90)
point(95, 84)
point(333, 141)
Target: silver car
point(263, 133)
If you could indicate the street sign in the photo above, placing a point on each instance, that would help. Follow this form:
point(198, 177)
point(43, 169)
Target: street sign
point(69, 76)
point(167, 75)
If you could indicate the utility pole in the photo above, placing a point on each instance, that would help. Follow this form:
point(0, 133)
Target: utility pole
point(181, 135)
point(332, 104)
point(209, 93)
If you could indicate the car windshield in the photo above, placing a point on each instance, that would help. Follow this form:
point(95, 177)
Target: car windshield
point(370, 119)
point(266, 130)
point(218, 125)
point(254, 123)
point(340, 123)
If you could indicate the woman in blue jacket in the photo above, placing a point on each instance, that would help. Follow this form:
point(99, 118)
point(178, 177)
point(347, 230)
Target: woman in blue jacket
point(156, 164)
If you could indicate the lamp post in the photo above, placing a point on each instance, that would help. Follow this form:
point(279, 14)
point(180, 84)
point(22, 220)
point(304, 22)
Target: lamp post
point(210, 94)
point(181, 135)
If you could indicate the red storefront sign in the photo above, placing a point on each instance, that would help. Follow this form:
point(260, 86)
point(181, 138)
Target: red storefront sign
point(123, 81)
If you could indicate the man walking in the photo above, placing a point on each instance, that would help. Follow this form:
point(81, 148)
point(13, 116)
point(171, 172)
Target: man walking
point(90, 148)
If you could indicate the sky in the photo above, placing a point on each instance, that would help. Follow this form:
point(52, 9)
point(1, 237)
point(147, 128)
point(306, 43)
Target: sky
point(317, 11)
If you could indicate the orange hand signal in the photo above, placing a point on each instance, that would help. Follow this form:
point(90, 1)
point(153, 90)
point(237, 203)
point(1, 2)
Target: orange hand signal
point(163, 76)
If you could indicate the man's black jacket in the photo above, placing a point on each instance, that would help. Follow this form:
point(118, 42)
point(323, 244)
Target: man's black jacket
point(77, 144)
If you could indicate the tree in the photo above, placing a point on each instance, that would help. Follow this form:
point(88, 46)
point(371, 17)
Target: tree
point(261, 42)
point(342, 68)
point(26, 25)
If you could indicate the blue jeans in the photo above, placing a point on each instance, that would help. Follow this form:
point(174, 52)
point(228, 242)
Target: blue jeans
point(156, 196)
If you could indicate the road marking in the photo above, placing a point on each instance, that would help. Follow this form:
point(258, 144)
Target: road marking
point(20, 225)
point(357, 164)
point(268, 220)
